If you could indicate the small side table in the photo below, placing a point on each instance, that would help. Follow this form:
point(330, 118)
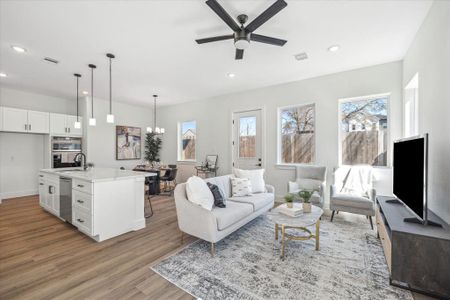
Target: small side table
point(206, 171)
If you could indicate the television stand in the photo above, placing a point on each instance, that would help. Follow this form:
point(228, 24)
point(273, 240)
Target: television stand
point(417, 221)
point(418, 257)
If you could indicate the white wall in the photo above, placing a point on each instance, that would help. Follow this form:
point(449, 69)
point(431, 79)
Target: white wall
point(101, 139)
point(429, 55)
point(213, 118)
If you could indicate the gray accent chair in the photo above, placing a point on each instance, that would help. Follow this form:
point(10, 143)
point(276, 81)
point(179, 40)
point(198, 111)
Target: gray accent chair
point(310, 177)
point(340, 201)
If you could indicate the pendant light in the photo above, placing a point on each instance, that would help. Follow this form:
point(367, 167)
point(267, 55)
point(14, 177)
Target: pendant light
point(157, 129)
point(92, 121)
point(110, 116)
point(77, 123)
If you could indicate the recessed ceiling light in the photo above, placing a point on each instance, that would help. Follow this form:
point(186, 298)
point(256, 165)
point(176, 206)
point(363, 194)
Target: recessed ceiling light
point(333, 48)
point(231, 75)
point(19, 49)
point(85, 92)
point(3, 74)
point(301, 56)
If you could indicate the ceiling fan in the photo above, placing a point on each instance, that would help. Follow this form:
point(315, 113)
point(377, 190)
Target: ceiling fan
point(243, 35)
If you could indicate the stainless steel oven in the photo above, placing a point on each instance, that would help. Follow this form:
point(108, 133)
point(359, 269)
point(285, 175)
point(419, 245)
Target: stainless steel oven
point(64, 150)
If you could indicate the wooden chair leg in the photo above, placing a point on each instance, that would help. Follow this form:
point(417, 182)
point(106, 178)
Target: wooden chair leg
point(332, 215)
point(151, 208)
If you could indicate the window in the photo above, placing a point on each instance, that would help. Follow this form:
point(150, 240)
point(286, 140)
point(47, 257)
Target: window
point(364, 130)
point(296, 134)
point(186, 140)
point(410, 108)
point(247, 137)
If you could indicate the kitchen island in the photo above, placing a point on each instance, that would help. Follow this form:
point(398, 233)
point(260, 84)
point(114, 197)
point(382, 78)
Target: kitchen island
point(101, 202)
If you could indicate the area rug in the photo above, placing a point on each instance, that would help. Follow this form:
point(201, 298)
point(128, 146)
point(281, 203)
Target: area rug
point(349, 265)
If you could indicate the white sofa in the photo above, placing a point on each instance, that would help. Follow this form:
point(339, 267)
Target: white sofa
point(214, 225)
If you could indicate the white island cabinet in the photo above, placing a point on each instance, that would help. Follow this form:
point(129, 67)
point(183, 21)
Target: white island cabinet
point(105, 202)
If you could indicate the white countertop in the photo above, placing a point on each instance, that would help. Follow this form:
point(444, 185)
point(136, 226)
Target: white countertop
point(97, 174)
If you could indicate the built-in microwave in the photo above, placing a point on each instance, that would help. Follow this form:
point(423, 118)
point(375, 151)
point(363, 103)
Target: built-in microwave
point(64, 150)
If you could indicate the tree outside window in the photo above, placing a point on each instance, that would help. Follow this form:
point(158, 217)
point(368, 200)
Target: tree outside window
point(297, 134)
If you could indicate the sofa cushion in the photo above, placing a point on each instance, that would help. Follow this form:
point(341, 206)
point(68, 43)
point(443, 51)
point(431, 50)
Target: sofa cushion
point(352, 201)
point(234, 212)
point(223, 182)
point(240, 187)
point(257, 201)
point(256, 178)
point(199, 193)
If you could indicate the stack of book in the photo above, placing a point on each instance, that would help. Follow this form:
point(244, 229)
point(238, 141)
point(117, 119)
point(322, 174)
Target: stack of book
point(291, 212)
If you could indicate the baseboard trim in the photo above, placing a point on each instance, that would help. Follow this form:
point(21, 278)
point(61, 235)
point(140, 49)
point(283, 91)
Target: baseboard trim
point(9, 195)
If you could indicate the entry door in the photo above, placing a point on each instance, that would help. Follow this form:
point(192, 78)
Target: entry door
point(247, 143)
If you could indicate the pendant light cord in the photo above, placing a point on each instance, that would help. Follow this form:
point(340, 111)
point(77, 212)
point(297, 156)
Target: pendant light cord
point(110, 87)
point(154, 112)
point(92, 89)
point(77, 99)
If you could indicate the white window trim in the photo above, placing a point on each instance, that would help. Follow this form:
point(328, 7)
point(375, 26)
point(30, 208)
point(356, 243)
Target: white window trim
point(388, 111)
point(179, 144)
point(279, 163)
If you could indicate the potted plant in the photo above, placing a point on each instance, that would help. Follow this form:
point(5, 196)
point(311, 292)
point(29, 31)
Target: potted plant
point(152, 147)
point(306, 196)
point(289, 198)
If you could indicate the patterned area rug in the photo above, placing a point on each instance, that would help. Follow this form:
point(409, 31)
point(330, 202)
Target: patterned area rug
point(247, 265)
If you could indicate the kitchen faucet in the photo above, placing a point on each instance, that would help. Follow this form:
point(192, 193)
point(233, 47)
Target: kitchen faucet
point(83, 160)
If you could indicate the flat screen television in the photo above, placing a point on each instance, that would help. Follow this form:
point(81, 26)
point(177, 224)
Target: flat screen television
point(410, 176)
point(410, 173)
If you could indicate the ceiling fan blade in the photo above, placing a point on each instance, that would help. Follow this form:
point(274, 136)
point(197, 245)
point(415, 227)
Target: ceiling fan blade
point(267, 39)
point(266, 15)
point(215, 39)
point(215, 6)
point(239, 54)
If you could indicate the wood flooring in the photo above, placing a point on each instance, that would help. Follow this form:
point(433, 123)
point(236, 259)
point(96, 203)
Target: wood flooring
point(41, 257)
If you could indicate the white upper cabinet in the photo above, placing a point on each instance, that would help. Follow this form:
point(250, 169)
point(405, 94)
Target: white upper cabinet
point(58, 124)
point(15, 119)
point(64, 125)
point(70, 123)
point(38, 122)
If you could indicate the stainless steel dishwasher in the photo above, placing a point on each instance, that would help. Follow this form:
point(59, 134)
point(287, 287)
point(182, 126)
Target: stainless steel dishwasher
point(65, 199)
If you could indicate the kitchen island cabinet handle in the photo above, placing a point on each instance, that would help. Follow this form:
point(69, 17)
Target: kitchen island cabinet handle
point(80, 201)
point(81, 221)
point(80, 185)
point(41, 183)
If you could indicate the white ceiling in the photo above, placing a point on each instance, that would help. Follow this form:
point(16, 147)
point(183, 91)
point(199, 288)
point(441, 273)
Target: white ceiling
point(156, 52)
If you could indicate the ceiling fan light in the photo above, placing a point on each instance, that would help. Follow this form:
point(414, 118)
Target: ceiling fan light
point(110, 118)
point(241, 44)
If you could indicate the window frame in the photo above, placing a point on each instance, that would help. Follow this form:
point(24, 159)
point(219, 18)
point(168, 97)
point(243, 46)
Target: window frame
point(280, 163)
point(180, 143)
point(388, 138)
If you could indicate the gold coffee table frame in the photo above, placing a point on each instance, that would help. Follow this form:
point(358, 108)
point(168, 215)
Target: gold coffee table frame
point(285, 237)
point(283, 222)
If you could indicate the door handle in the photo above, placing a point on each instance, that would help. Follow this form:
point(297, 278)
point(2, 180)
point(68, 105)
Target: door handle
point(50, 189)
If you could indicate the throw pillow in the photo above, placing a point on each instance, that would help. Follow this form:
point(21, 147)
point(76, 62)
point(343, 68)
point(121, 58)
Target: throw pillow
point(256, 178)
point(219, 197)
point(198, 192)
point(240, 187)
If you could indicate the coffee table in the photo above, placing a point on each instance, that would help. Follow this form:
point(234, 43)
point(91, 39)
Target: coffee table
point(301, 223)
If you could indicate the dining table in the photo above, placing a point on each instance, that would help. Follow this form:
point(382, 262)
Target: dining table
point(154, 183)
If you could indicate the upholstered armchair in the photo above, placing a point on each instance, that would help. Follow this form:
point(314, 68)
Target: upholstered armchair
point(309, 177)
point(353, 191)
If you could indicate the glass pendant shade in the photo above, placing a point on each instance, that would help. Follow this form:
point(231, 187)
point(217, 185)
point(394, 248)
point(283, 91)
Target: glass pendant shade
point(157, 130)
point(92, 122)
point(110, 118)
point(149, 130)
point(77, 125)
point(163, 130)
